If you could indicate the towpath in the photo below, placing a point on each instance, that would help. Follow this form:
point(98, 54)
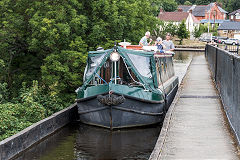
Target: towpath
point(195, 127)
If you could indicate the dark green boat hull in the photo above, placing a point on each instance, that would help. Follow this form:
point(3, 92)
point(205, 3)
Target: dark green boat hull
point(132, 112)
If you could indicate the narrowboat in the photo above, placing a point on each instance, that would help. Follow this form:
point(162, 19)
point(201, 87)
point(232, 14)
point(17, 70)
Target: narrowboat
point(126, 87)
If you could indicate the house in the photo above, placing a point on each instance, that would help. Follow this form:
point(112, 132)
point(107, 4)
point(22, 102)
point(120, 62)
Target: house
point(211, 11)
point(178, 16)
point(229, 29)
point(235, 16)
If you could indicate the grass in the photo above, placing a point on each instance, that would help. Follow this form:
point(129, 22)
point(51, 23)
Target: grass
point(189, 42)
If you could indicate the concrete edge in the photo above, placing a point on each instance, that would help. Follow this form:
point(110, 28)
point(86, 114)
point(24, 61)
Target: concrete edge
point(12, 146)
point(156, 153)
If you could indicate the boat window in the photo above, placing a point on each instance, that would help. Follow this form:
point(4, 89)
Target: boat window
point(142, 64)
point(170, 67)
point(125, 75)
point(93, 63)
point(161, 67)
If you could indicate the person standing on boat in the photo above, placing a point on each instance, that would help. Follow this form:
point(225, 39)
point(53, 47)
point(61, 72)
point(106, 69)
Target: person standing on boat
point(143, 41)
point(168, 43)
point(160, 45)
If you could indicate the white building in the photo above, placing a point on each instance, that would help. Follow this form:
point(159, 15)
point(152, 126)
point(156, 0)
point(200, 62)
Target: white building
point(176, 18)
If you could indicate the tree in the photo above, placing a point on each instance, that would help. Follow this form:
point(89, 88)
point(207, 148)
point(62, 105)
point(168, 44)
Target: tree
point(165, 27)
point(229, 5)
point(187, 3)
point(62, 73)
point(232, 5)
point(203, 2)
point(182, 32)
point(197, 32)
point(166, 5)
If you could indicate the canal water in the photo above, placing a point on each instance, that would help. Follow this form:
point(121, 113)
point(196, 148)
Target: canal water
point(77, 141)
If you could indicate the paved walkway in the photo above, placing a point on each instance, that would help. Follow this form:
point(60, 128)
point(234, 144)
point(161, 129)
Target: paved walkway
point(196, 128)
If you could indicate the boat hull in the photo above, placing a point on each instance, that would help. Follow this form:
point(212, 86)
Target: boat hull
point(131, 113)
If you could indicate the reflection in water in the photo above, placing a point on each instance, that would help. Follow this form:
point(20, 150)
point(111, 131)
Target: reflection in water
point(181, 61)
point(182, 56)
point(82, 142)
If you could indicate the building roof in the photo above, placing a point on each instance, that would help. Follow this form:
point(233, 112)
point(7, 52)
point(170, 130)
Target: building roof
point(185, 8)
point(229, 25)
point(219, 21)
point(199, 10)
point(173, 16)
point(222, 10)
point(234, 12)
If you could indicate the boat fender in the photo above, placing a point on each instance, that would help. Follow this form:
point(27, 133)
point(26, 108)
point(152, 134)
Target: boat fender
point(111, 99)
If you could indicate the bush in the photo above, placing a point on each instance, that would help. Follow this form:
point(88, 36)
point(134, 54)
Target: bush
point(62, 73)
point(182, 32)
point(32, 105)
point(4, 94)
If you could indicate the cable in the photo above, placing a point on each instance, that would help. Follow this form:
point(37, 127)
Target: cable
point(101, 78)
point(132, 77)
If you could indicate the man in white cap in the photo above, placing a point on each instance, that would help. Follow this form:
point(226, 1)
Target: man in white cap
point(143, 41)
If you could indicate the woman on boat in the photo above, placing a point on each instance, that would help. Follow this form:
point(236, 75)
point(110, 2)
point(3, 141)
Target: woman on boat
point(143, 41)
point(160, 45)
point(168, 43)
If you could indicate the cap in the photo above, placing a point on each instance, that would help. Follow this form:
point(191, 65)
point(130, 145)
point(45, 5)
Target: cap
point(159, 39)
point(147, 33)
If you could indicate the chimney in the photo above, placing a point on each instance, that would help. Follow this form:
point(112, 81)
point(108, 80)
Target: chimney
point(161, 11)
point(190, 11)
point(180, 9)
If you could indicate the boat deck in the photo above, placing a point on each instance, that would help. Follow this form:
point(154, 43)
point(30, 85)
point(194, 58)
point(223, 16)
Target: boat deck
point(195, 126)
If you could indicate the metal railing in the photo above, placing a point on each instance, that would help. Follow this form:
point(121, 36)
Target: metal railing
point(225, 68)
point(230, 48)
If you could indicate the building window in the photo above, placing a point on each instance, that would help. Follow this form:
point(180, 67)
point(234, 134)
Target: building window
point(237, 31)
point(237, 16)
point(225, 31)
point(231, 16)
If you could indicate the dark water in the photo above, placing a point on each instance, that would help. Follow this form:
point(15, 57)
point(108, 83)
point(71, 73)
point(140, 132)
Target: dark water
point(81, 142)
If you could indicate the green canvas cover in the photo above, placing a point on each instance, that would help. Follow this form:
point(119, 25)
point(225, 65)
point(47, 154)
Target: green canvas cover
point(142, 64)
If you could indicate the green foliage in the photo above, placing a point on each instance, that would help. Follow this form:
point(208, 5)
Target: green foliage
point(164, 28)
point(10, 121)
point(231, 5)
point(62, 73)
point(166, 5)
point(204, 29)
point(197, 32)
point(4, 94)
point(2, 71)
point(32, 105)
point(187, 3)
point(47, 41)
point(203, 2)
point(182, 32)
